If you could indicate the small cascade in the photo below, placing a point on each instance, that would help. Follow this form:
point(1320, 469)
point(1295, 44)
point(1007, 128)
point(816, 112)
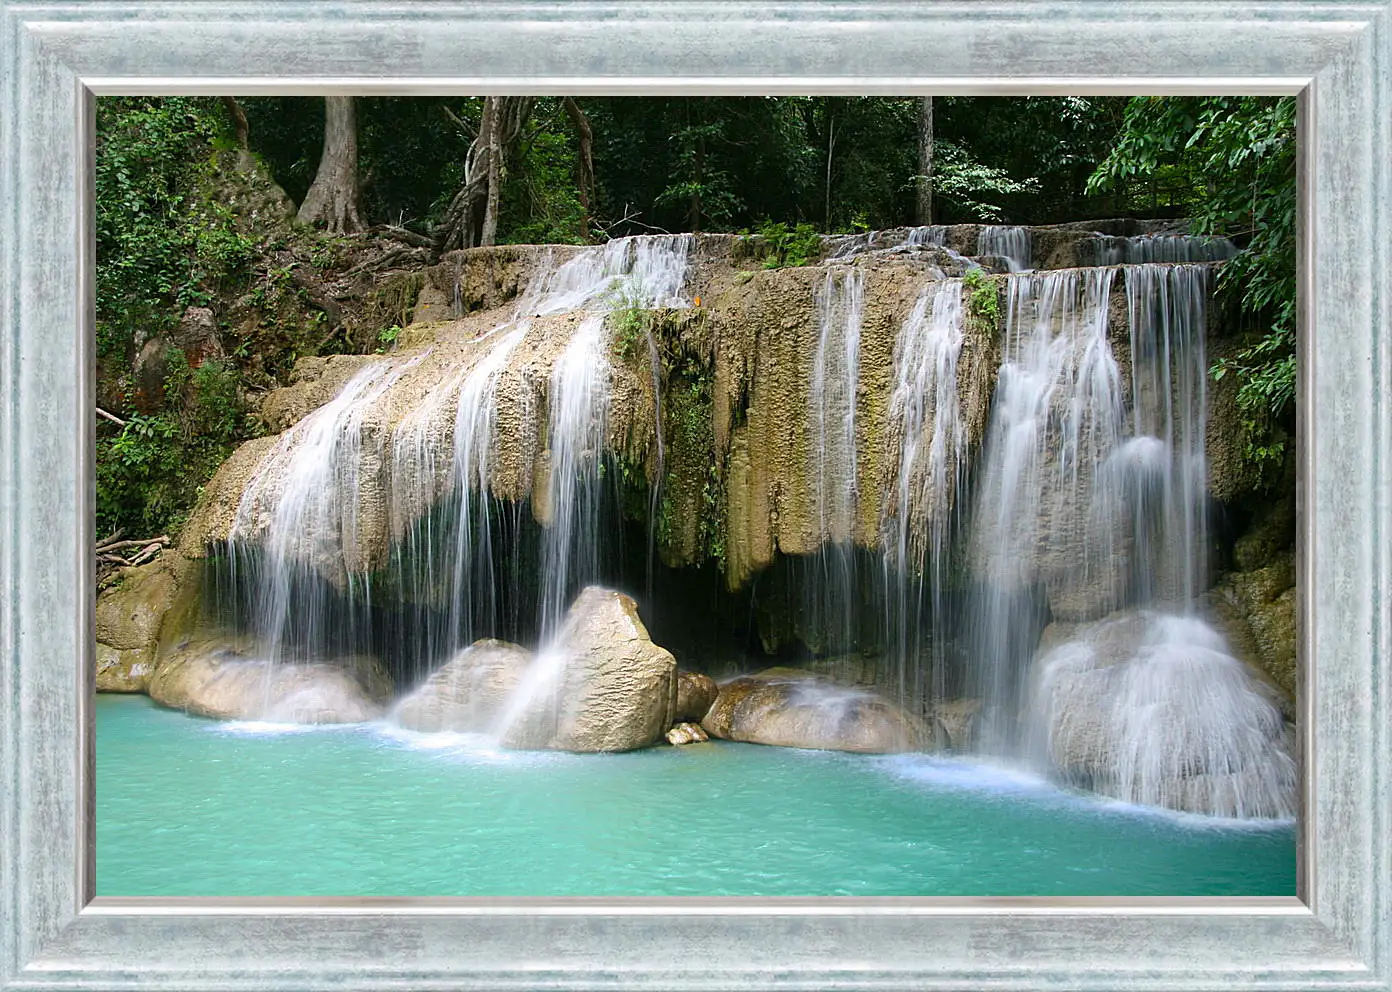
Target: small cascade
point(931, 235)
point(301, 510)
point(835, 374)
point(1147, 249)
point(1009, 243)
point(832, 469)
point(925, 417)
point(1162, 470)
point(298, 551)
point(578, 401)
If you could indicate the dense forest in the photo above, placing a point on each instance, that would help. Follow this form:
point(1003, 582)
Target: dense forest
point(228, 228)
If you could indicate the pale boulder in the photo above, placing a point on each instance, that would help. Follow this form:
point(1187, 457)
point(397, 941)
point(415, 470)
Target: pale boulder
point(792, 708)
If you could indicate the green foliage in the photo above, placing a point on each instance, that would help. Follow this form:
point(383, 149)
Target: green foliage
point(983, 300)
point(630, 323)
point(161, 245)
point(387, 337)
point(975, 189)
point(1233, 161)
point(149, 474)
point(541, 202)
point(799, 246)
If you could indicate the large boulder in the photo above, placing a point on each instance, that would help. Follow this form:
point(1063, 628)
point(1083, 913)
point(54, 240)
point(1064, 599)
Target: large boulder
point(132, 617)
point(793, 708)
point(130, 612)
point(224, 681)
point(1154, 709)
point(602, 685)
point(466, 694)
point(695, 694)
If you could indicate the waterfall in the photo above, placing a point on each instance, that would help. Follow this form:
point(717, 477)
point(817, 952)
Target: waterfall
point(832, 469)
point(1163, 468)
point(578, 402)
point(1009, 243)
point(1057, 412)
point(935, 235)
point(1150, 248)
point(925, 418)
point(298, 547)
point(302, 509)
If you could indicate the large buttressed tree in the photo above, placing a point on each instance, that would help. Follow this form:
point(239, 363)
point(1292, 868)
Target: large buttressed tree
point(472, 216)
point(332, 200)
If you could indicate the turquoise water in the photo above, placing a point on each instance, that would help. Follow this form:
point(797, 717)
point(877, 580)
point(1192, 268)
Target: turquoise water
point(194, 807)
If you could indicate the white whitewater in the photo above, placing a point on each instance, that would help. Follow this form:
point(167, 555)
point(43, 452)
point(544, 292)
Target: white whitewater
point(1152, 248)
point(307, 578)
point(647, 272)
point(832, 394)
point(835, 375)
point(1010, 243)
point(916, 521)
point(1164, 716)
point(301, 508)
point(1056, 414)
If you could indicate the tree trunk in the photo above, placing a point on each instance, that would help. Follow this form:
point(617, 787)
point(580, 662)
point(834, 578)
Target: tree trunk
point(831, 148)
point(495, 172)
point(332, 201)
point(245, 162)
point(239, 121)
point(924, 205)
point(504, 117)
point(584, 179)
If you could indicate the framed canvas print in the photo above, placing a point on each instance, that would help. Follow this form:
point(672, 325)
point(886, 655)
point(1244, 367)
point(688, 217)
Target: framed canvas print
point(679, 496)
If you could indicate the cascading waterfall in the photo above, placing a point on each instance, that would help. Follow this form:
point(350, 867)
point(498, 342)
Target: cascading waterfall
point(1009, 243)
point(1056, 414)
point(832, 398)
point(933, 234)
point(295, 543)
point(925, 417)
point(1146, 249)
point(295, 510)
point(578, 404)
point(1085, 505)
point(1162, 468)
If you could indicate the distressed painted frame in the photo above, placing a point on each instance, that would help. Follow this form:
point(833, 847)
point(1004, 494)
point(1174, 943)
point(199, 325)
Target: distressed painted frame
point(56, 56)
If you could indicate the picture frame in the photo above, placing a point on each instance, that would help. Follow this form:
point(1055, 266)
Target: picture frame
point(1336, 934)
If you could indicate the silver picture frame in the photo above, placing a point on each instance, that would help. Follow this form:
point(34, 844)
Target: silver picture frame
point(1335, 54)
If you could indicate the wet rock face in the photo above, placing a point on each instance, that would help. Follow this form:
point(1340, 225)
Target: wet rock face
point(467, 694)
point(222, 681)
point(793, 708)
point(602, 686)
point(124, 671)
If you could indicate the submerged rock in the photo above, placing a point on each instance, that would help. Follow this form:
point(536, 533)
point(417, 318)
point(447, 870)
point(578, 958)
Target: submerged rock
point(467, 693)
point(603, 685)
point(695, 694)
point(1152, 708)
point(218, 680)
point(686, 733)
point(793, 708)
point(954, 723)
